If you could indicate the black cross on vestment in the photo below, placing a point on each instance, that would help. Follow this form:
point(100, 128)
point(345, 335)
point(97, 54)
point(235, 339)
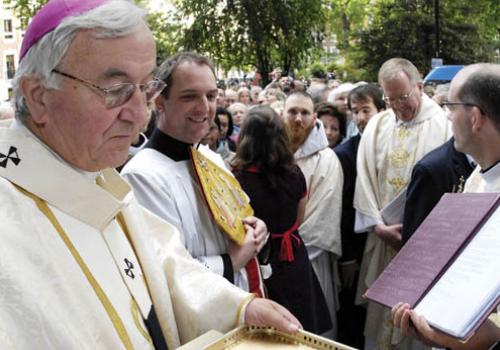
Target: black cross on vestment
point(12, 155)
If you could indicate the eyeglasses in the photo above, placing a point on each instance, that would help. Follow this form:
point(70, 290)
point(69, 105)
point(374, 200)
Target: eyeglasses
point(452, 106)
point(400, 99)
point(119, 94)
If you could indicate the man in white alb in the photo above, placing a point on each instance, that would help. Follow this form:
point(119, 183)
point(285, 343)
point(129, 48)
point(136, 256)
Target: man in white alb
point(393, 141)
point(475, 115)
point(83, 265)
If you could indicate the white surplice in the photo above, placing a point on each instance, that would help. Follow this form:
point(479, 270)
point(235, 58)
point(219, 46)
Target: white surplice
point(485, 182)
point(170, 190)
point(387, 153)
point(320, 228)
point(46, 301)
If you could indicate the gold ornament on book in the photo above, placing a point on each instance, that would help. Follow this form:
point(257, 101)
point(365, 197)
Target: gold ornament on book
point(226, 200)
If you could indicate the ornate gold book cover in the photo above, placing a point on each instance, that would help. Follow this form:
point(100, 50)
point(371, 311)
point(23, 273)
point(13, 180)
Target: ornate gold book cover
point(225, 198)
point(267, 338)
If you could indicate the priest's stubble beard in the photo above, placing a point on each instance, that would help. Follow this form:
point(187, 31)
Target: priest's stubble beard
point(298, 133)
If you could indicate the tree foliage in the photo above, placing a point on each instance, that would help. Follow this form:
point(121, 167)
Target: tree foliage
point(406, 29)
point(167, 32)
point(287, 33)
point(258, 32)
point(24, 9)
point(166, 29)
point(345, 17)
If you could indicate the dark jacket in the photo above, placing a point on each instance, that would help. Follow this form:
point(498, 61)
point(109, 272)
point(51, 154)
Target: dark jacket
point(352, 243)
point(441, 170)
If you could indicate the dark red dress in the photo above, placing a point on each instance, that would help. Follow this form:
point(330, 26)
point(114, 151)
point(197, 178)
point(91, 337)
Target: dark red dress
point(293, 283)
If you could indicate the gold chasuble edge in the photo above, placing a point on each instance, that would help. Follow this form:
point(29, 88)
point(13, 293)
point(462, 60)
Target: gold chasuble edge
point(106, 303)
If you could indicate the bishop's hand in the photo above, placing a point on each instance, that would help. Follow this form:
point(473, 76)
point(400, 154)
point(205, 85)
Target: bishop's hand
point(265, 312)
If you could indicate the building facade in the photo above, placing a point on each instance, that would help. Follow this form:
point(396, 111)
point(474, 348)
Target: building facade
point(11, 37)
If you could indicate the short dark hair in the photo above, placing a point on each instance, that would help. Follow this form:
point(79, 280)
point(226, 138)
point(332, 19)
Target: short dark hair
point(168, 67)
point(482, 88)
point(263, 142)
point(366, 92)
point(328, 108)
point(300, 93)
point(230, 125)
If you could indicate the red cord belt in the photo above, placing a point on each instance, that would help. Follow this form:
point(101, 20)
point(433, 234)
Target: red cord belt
point(289, 240)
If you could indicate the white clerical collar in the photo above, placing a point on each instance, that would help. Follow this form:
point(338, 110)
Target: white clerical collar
point(491, 174)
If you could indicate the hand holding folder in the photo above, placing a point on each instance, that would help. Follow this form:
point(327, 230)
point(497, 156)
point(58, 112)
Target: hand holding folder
point(449, 269)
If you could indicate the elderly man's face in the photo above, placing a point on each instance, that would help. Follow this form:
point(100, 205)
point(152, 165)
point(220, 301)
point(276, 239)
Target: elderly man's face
point(76, 123)
point(190, 107)
point(403, 97)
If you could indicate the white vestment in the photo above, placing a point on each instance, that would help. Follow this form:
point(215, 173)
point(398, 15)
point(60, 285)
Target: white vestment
point(46, 299)
point(485, 182)
point(320, 228)
point(170, 190)
point(387, 153)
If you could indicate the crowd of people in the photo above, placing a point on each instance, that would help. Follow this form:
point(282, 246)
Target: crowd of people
point(96, 259)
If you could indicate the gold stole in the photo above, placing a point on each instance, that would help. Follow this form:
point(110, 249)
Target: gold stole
point(101, 295)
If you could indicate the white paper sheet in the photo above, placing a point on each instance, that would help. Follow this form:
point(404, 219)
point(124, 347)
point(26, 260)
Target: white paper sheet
point(470, 285)
point(393, 212)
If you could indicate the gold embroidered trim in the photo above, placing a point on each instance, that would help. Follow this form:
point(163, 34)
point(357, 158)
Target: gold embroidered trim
point(399, 158)
point(244, 303)
point(403, 133)
point(137, 320)
point(398, 183)
point(113, 315)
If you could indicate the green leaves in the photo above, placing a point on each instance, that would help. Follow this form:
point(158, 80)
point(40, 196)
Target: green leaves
point(262, 33)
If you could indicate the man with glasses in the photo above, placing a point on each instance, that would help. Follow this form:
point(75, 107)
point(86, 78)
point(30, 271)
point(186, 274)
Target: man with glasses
point(82, 264)
point(475, 116)
point(393, 141)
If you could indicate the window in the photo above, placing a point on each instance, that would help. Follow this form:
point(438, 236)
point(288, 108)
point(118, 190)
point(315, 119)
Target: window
point(11, 68)
point(24, 25)
point(7, 29)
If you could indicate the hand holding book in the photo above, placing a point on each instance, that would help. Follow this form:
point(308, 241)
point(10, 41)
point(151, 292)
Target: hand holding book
point(448, 270)
point(414, 325)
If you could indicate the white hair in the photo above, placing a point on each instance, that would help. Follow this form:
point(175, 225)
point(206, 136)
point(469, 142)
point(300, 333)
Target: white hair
point(342, 88)
point(113, 19)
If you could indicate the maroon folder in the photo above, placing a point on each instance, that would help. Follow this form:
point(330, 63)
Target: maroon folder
point(433, 247)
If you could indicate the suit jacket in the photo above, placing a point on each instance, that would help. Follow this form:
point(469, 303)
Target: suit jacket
point(352, 243)
point(441, 170)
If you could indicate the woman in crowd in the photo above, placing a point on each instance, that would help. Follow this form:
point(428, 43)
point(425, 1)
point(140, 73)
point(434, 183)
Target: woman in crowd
point(244, 96)
point(239, 112)
point(264, 166)
point(214, 140)
point(334, 122)
point(226, 128)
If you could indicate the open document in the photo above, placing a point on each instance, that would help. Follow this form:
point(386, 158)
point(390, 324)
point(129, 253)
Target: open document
point(449, 270)
point(470, 286)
